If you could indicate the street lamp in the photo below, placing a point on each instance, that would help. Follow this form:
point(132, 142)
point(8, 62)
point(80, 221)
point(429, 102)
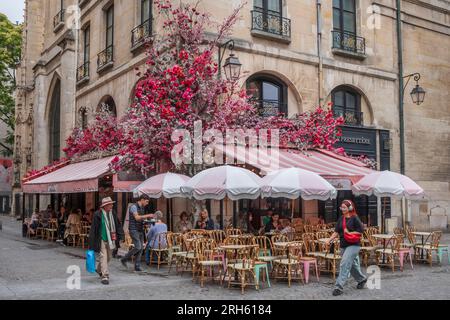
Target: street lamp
point(418, 93)
point(232, 66)
point(417, 96)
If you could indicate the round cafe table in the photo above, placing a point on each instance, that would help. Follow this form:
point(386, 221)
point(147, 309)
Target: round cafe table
point(423, 241)
point(386, 238)
point(234, 248)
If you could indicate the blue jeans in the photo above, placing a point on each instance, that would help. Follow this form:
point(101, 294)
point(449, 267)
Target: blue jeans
point(138, 242)
point(147, 254)
point(349, 266)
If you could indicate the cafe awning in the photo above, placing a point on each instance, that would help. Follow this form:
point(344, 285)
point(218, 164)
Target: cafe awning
point(329, 165)
point(73, 178)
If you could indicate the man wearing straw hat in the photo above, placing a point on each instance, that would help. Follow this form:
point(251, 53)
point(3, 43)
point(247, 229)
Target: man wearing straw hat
point(105, 230)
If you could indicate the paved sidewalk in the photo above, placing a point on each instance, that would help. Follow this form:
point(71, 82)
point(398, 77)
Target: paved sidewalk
point(36, 269)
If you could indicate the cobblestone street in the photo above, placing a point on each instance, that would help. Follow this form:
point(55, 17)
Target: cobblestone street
point(36, 269)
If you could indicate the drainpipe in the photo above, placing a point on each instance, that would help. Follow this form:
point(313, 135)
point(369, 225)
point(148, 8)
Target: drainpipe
point(400, 100)
point(319, 49)
point(400, 86)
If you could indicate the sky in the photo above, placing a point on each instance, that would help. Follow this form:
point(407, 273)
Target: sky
point(13, 9)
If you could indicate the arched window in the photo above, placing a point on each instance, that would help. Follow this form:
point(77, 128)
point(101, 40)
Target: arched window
point(55, 123)
point(107, 104)
point(269, 94)
point(347, 104)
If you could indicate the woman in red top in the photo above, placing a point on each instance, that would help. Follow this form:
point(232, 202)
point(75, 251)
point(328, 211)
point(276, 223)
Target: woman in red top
point(349, 250)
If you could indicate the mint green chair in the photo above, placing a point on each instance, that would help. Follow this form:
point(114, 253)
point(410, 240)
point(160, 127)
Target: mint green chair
point(441, 249)
point(258, 267)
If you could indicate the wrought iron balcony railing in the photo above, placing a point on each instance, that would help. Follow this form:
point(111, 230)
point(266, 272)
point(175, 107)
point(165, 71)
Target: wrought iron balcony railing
point(270, 108)
point(58, 19)
point(105, 58)
point(141, 33)
point(348, 42)
point(83, 72)
point(353, 118)
point(271, 22)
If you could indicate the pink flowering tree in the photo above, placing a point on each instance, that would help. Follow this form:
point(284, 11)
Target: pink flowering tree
point(104, 136)
point(181, 86)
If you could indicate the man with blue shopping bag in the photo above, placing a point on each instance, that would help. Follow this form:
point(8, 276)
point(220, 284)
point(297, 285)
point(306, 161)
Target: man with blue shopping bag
point(105, 230)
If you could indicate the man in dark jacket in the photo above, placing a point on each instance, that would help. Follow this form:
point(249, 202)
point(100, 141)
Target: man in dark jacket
point(105, 231)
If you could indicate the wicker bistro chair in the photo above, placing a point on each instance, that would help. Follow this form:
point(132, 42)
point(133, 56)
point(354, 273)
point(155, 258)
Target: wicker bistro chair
point(329, 259)
point(159, 247)
point(431, 247)
point(183, 258)
point(233, 232)
point(311, 245)
point(245, 268)
point(399, 231)
point(84, 234)
point(41, 230)
point(205, 253)
point(27, 222)
point(266, 252)
point(289, 268)
point(74, 234)
point(368, 247)
point(217, 235)
point(52, 230)
point(392, 252)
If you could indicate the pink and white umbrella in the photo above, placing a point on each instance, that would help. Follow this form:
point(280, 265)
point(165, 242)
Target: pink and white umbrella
point(224, 181)
point(388, 184)
point(293, 183)
point(165, 184)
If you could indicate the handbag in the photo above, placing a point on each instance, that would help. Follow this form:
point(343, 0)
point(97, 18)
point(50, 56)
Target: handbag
point(90, 261)
point(350, 237)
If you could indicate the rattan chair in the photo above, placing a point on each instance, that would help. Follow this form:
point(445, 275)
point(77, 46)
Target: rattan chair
point(159, 248)
point(289, 268)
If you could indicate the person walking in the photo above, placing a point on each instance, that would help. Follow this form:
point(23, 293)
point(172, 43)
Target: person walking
point(105, 230)
point(136, 217)
point(349, 229)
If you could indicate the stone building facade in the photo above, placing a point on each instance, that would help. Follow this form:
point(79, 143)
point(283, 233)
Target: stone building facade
point(297, 54)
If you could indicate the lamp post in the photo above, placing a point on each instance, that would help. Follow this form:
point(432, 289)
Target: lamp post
point(418, 93)
point(417, 96)
point(232, 66)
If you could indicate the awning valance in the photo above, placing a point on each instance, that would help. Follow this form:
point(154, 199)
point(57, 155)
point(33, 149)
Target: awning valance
point(73, 178)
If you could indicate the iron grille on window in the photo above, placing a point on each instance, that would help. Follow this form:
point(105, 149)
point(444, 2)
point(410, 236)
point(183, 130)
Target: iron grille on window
point(105, 57)
point(269, 108)
point(348, 41)
point(351, 117)
point(83, 71)
point(271, 22)
point(141, 33)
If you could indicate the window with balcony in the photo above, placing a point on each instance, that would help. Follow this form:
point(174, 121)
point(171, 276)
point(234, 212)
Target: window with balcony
point(268, 20)
point(58, 20)
point(344, 35)
point(83, 70)
point(269, 94)
point(347, 104)
point(143, 31)
point(106, 57)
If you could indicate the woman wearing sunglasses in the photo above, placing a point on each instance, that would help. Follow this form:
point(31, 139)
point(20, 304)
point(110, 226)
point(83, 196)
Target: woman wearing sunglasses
point(349, 229)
